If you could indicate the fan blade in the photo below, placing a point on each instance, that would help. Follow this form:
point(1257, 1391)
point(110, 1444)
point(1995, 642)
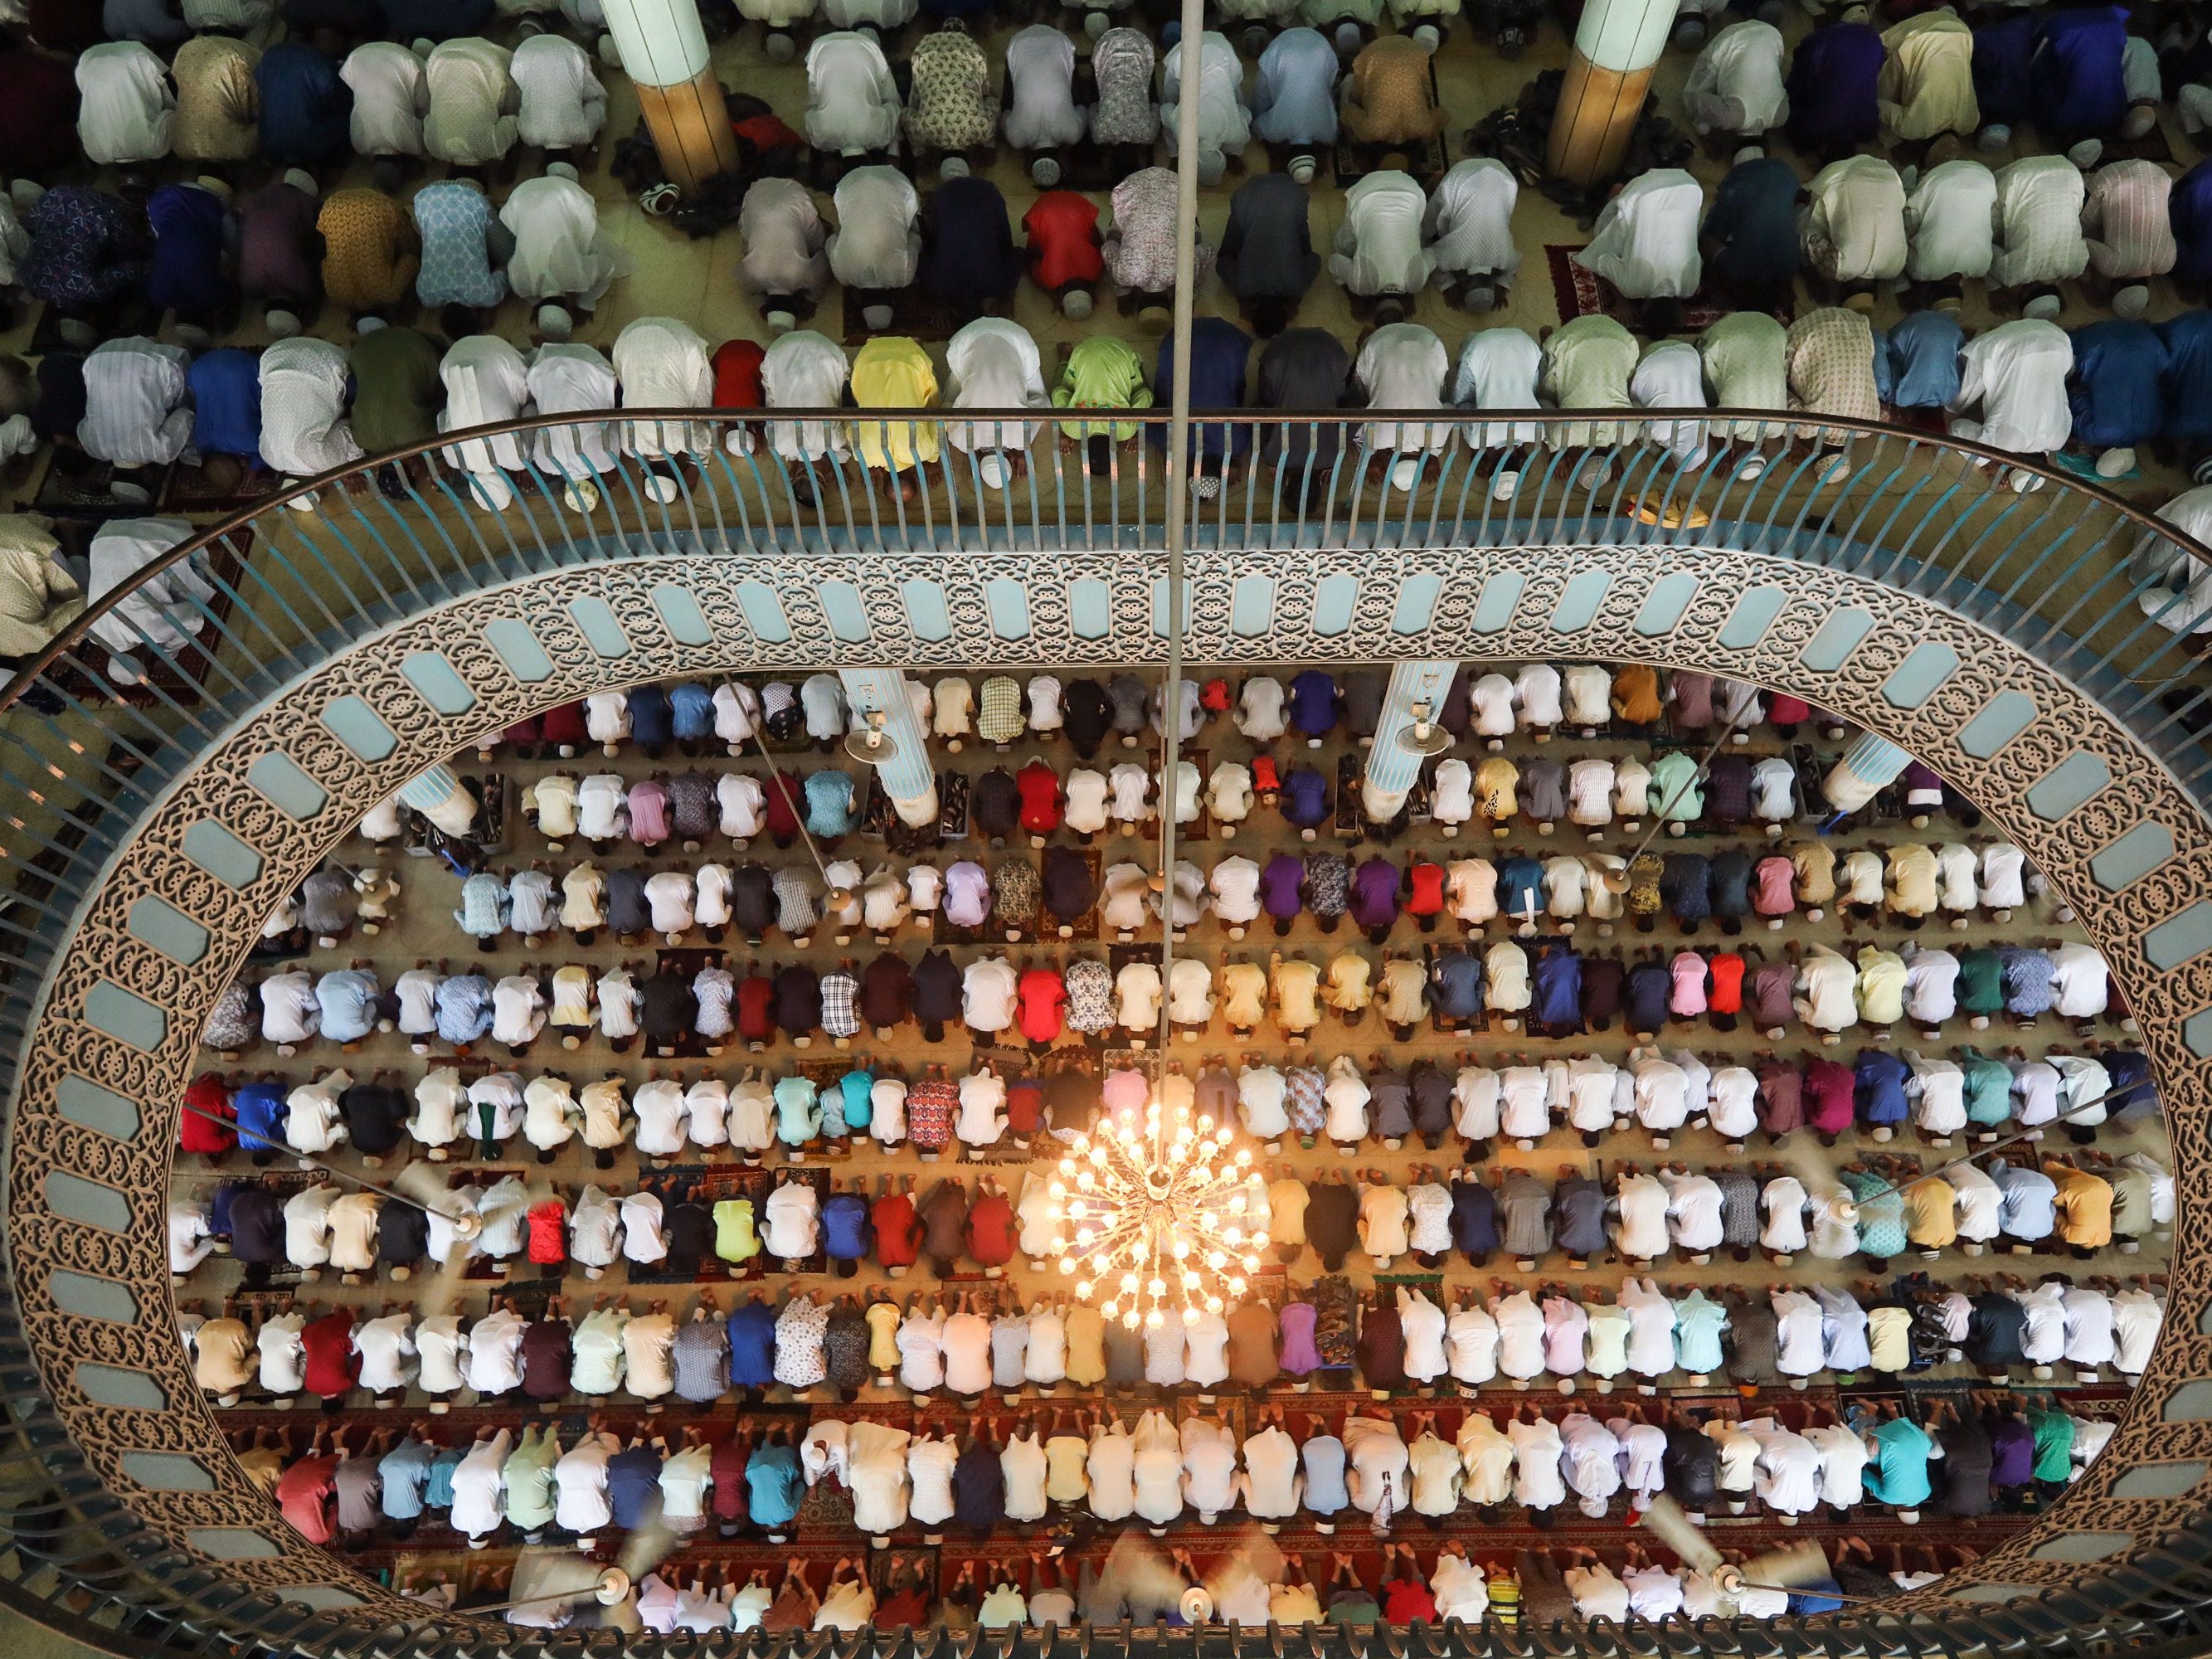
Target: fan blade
point(1139, 1573)
point(648, 1546)
point(1793, 1567)
point(1674, 1527)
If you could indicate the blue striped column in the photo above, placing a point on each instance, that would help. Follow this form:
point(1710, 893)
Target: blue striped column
point(1392, 769)
point(908, 779)
point(1868, 767)
point(438, 796)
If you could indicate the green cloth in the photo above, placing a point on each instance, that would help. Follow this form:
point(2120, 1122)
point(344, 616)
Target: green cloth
point(397, 392)
point(1882, 1218)
point(2054, 1444)
point(1897, 1473)
point(1981, 981)
point(1989, 1088)
point(735, 1238)
point(1101, 373)
point(531, 1491)
point(1671, 771)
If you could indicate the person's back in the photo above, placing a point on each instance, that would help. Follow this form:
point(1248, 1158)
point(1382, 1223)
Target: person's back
point(1266, 253)
point(967, 252)
point(1294, 99)
point(1379, 250)
point(1391, 99)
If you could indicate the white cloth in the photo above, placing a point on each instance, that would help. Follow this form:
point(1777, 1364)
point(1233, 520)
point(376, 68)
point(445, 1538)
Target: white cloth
point(2015, 375)
point(1645, 242)
point(562, 105)
point(559, 251)
point(126, 104)
point(1041, 71)
point(1950, 221)
point(1470, 222)
point(1379, 249)
point(470, 119)
point(390, 98)
point(852, 102)
point(995, 364)
point(304, 430)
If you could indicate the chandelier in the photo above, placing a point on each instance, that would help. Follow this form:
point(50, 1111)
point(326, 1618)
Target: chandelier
point(1149, 1213)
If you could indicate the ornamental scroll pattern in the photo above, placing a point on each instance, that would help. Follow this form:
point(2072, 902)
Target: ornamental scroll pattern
point(727, 589)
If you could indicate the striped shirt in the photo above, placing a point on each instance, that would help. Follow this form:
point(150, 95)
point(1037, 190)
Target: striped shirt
point(134, 390)
point(2124, 217)
point(999, 719)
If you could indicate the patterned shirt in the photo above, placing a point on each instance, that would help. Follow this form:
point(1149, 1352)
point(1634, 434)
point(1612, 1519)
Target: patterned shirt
point(369, 250)
point(1089, 995)
point(951, 105)
point(1329, 884)
point(1831, 359)
point(799, 1329)
point(216, 100)
point(930, 1105)
point(999, 718)
point(1142, 253)
point(1306, 1098)
point(1125, 112)
point(840, 1003)
point(795, 911)
point(451, 218)
point(2126, 216)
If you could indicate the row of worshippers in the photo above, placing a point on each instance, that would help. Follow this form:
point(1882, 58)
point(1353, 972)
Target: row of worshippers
point(1377, 1468)
point(1875, 1207)
point(1776, 1336)
point(194, 253)
point(1556, 992)
point(221, 99)
point(686, 811)
point(1630, 701)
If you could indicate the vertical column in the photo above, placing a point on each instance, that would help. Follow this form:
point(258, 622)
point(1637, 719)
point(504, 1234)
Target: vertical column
point(664, 51)
point(437, 794)
point(1416, 694)
point(1616, 45)
point(1868, 766)
point(908, 779)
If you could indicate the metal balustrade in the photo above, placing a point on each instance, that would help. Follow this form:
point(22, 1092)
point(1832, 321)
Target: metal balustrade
point(1308, 547)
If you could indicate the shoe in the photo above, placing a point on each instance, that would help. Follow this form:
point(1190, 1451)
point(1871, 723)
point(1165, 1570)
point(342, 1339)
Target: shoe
point(659, 201)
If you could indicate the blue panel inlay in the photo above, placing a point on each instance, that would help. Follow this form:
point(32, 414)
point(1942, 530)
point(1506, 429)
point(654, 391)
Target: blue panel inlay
point(88, 1298)
point(1252, 606)
point(74, 1199)
point(2067, 785)
point(849, 617)
point(1838, 636)
point(125, 1016)
point(2007, 715)
point(129, 1391)
point(2133, 856)
point(1336, 600)
point(166, 1472)
point(160, 924)
point(602, 628)
point(359, 727)
point(1663, 606)
point(1916, 679)
point(443, 689)
point(289, 790)
point(1090, 608)
point(2181, 938)
point(89, 1106)
point(763, 612)
point(1008, 602)
point(1417, 603)
point(679, 609)
point(1579, 600)
point(221, 854)
point(1753, 615)
point(1501, 597)
point(925, 611)
point(518, 649)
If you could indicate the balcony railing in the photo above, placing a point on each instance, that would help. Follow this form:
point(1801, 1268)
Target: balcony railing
point(1309, 546)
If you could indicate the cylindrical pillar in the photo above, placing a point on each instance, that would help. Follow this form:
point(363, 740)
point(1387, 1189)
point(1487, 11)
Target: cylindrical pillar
point(438, 796)
point(1869, 767)
point(1616, 45)
point(664, 51)
point(908, 779)
point(1416, 692)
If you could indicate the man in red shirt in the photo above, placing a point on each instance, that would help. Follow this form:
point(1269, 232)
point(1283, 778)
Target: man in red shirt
point(1424, 891)
point(549, 1233)
point(898, 1233)
point(756, 1018)
point(737, 386)
point(304, 1491)
point(728, 1469)
point(334, 1367)
point(991, 1225)
point(1406, 1598)
point(1025, 1109)
point(564, 727)
point(1065, 260)
point(1043, 995)
point(1041, 799)
point(211, 1135)
point(785, 808)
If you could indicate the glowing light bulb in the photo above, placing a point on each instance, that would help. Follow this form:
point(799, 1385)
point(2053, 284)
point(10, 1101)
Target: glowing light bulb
point(1131, 1320)
point(1236, 1204)
point(1213, 1305)
point(1233, 1234)
point(1216, 1261)
point(1251, 1264)
point(1129, 1283)
point(1157, 1288)
point(1066, 1265)
point(1259, 1241)
point(1235, 1284)
point(1083, 1288)
point(1153, 1320)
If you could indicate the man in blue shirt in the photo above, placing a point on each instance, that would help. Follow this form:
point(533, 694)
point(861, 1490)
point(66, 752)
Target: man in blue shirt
point(306, 108)
point(968, 259)
point(1878, 1085)
point(2189, 210)
point(1305, 798)
point(652, 727)
point(2027, 1201)
point(1750, 235)
point(845, 1232)
point(226, 393)
point(2002, 51)
point(261, 1111)
point(632, 1482)
point(2074, 75)
point(774, 1484)
point(348, 998)
point(692, 711)
point(1456, 985)
point(1294, 98)
point(2188, 389)
point(1556, 991)
point(2117, 391)
point(1916, 364)
point(405, 1471)
point(1219, 353)
point(1313, 705)
point(752, 1344)
point(1832, 89)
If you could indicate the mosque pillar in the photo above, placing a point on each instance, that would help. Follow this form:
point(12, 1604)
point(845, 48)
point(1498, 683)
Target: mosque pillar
point(1410, 707)
point(882, 708)
point(1608, 73)
point(664, 51)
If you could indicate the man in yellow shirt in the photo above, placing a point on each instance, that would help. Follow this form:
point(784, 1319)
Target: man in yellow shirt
point(893, 371)
point(2083, 1206)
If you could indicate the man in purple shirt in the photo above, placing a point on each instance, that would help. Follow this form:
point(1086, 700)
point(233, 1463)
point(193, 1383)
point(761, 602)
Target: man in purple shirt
point(1313, 705)
point(1279, 882)
point(1306, 799)
point(1375, 898)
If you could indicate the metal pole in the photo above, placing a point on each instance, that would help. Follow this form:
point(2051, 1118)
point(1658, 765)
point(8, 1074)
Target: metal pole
point(1193, 47)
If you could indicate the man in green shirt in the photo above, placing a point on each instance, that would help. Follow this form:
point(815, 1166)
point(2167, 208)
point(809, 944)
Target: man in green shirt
point(529, 1475)
point(2054, 1448)
point(396, 391)
point(1981, 985)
